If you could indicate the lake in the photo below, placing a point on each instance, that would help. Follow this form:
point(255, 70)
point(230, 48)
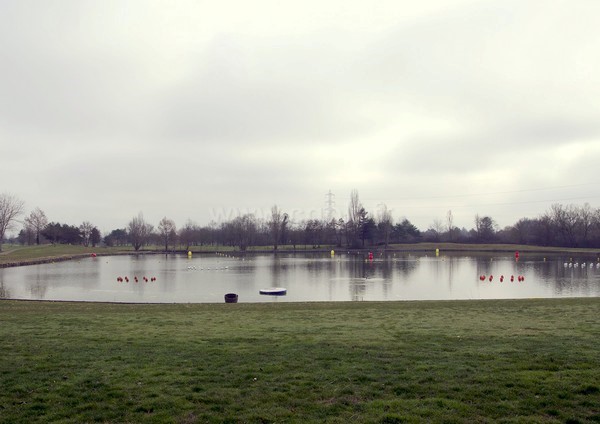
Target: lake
point(307, 277)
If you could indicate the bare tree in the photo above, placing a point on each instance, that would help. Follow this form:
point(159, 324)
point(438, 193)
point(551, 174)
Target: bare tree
point(86, 229)
point(565, 220)
point(10, 208)
point(36, 222)
point(354, 207)
point(167, 231)
point(244, 230)
point(139, 231)
point(585, 223)
point(436, 228)
point(595, 230)
point(314, 231)
point(277, 225)
point(385, 223)
point(187, 233)
point(355, 213)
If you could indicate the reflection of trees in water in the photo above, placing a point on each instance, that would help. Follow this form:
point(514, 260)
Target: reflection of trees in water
point(484, 265)
point(405, 266)
point(37, 284)
point(283, 264)
point(4, 292)
point(387, 272)
point(322, 266)
point(360, 268)
point(387, 269)
point(566, 279)
point(38, 288)
point(277, 268)
point(138, 268)
point(358, 289)
point(452, 261)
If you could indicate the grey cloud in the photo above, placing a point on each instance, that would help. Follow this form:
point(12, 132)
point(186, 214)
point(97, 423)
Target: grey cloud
point(238, 94)
point(492, 62)
point(114, 122)
point(557, 129)
point(66, 94)
point(482, 150)
point(60, 77)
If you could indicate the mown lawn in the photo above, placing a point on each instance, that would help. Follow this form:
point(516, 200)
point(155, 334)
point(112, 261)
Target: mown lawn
point(17, 253)
point(386, 362)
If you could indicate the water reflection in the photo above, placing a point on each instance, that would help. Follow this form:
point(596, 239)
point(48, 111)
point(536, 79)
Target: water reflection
point(308, 277)
point(4, 292)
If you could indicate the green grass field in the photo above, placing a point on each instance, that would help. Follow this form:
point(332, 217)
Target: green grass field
point(17, 253)
point(380, 362)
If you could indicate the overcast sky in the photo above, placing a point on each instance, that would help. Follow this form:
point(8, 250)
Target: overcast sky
point(200, 110)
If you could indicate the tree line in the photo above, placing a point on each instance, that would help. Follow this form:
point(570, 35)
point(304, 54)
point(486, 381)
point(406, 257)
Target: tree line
point(562, 225)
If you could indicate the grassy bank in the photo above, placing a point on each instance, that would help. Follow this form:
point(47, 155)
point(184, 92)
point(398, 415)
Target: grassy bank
point(491, 247)
point(23, 255)
point(390, 362)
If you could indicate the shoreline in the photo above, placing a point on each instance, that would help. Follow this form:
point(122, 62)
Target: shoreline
point(315, 303)
point(444, 248)
point(64, 258)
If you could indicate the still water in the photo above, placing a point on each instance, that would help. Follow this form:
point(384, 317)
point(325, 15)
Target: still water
point(307, 277)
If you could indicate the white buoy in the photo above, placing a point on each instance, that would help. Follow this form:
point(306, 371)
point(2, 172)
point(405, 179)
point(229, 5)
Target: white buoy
point(274, 291)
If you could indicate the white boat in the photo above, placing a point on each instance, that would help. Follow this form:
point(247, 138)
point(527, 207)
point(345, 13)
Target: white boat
point(274, 291)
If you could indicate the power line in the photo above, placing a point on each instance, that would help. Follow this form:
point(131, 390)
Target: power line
point(489, 193)
point(506, 203)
